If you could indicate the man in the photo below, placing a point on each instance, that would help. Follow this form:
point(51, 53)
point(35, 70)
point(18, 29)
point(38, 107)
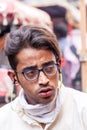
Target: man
point(43, 103)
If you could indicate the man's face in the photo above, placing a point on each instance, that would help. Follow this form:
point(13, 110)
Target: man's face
point(42, 89)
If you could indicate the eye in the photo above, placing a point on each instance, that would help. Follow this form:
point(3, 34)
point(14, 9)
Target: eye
point(31, 73)
point(49, 69)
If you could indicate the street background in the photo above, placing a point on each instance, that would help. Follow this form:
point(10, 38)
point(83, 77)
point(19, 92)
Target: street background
point(61, 16)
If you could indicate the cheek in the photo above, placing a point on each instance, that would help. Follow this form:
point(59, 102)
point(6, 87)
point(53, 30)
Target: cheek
point(54, 80)
point(21, 78)
point(22, 81)
point(27, 85)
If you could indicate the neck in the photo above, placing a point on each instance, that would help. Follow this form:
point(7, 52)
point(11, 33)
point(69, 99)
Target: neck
point(43, 125)
point(41, 113)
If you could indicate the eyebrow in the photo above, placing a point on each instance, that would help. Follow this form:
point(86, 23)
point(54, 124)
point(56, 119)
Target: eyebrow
point(34, 67)
point(48, 63)
point(29, 68)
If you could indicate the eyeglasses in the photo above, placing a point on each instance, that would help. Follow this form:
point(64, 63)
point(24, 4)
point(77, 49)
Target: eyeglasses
point(32, 73)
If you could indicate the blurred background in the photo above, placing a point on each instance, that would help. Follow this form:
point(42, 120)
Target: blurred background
point(67, 18)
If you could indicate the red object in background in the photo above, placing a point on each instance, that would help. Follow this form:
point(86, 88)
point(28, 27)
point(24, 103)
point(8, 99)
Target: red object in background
point(20, 11)
point(3, 84)
point(7, 10)
point(63, 62)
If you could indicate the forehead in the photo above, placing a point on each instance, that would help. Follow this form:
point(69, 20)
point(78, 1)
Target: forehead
point(32, 57)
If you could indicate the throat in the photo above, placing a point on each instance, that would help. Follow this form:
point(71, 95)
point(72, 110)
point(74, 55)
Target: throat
point(43, 125)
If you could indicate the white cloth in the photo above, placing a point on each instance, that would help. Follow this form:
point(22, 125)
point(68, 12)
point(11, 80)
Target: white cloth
point(72, 114)
point(44, 113)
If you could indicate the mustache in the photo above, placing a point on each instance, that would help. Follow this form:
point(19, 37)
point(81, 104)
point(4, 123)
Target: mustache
point(45, 88)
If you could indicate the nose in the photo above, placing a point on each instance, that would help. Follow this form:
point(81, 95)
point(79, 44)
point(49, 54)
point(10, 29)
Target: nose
point(43, 79)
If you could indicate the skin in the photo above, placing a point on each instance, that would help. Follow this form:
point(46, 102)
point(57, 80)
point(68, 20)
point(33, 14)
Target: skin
point(42, 90)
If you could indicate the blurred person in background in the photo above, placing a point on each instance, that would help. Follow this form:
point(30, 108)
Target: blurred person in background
point(43, 102)
point(69, 55)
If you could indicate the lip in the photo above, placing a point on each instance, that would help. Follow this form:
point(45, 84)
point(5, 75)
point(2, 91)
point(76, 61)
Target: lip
point(44, 93)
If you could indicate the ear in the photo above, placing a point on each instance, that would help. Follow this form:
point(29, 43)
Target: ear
point(59, 67)
point(12, 75)
point(58, 62)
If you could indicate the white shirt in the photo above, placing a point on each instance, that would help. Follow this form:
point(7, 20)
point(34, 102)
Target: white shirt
point(72, 114)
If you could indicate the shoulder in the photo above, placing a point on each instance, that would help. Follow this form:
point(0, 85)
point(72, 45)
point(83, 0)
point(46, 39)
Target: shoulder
point(5, 108)
point(7, 113)
point(74, 92)
point(74, 106)
point(77, 97)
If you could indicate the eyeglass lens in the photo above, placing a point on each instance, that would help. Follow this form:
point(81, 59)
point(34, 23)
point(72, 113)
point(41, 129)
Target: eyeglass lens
point(33, 73)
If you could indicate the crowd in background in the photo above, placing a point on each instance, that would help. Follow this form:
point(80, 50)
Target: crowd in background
point(71, 68)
